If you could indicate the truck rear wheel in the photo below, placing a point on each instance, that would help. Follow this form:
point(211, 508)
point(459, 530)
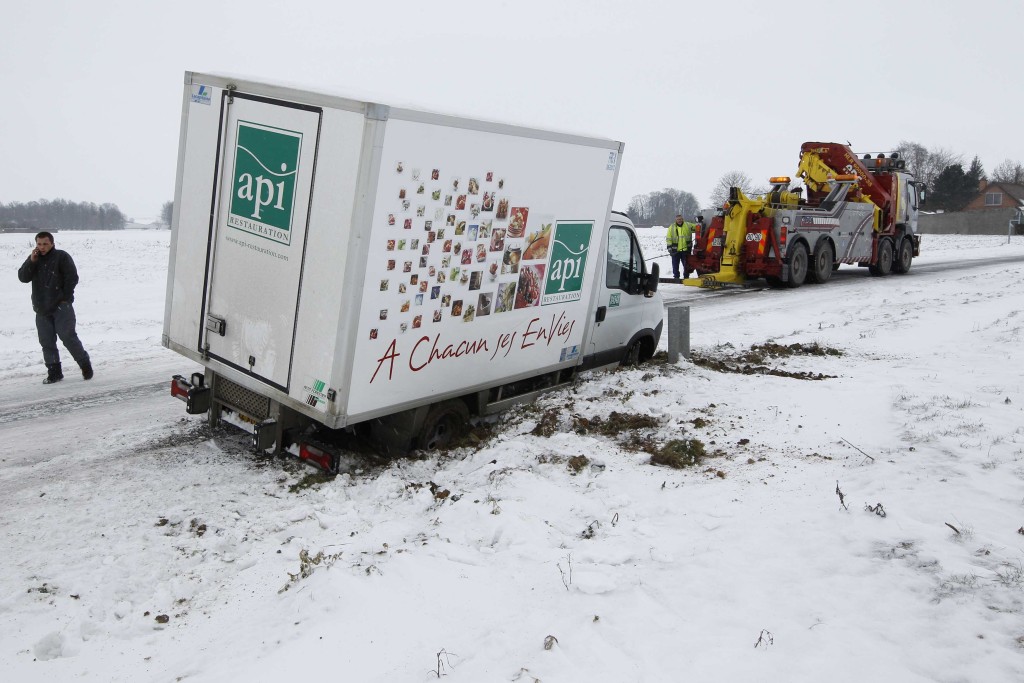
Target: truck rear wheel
point(821, 268)
point(797, 264)
point(883, 266)
point(904, 257)
point(444, 421)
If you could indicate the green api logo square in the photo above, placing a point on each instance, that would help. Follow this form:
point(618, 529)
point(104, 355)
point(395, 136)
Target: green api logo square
point(567, 262)
point(264, 178)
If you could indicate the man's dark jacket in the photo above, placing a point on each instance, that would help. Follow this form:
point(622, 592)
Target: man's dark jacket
point(53, 279)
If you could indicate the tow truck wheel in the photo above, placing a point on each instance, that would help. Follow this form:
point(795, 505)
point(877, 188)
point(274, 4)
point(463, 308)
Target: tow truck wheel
point(443, 422)
point(884, 265)
point(797, 264)
point(821, 268)
point(904, 258)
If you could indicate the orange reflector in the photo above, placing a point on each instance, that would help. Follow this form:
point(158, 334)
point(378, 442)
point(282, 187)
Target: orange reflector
point(776, 179)
point(848, 176)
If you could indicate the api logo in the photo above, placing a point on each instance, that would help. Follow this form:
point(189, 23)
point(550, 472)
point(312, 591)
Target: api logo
point(567, 263)
point(263, 191)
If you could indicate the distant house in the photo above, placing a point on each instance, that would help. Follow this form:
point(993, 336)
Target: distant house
point(997, 196)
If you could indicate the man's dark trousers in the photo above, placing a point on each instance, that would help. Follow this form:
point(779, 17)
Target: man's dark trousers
point(60, 323)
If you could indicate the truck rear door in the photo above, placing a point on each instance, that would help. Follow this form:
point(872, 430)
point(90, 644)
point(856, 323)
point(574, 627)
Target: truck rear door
point(260, 209)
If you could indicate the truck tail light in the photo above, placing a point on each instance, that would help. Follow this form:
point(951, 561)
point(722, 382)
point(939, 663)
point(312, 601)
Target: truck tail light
point(316, 456)
point(782, 239)
point(194, 393)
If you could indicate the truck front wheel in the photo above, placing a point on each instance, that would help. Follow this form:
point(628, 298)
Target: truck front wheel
point(444, 421)
point(883, 266)
point(904, 257)
point(797, 264)
point(821, 268)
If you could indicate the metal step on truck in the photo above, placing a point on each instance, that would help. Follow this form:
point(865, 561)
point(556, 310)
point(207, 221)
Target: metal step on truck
point(339, 264)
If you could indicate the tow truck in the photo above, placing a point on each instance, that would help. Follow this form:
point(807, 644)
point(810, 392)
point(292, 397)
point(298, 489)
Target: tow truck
point(861, 211)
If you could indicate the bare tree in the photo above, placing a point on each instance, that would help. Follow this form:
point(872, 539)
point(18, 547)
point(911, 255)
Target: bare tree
point(1009, 172)
point(927, 164)
point(720, 193)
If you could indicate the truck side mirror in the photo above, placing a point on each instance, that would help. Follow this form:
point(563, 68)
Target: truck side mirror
point(651, 285)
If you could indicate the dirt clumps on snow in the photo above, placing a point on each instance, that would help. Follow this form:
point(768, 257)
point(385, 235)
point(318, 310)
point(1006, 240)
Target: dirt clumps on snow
point(754, 361)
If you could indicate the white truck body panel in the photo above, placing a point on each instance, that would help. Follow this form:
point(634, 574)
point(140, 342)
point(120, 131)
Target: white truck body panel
point(349, 260)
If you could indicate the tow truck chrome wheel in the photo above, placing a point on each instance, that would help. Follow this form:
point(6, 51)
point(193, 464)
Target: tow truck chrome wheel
point(822, 266)
point(905, 257)
point(797, 264)
point(444, 421)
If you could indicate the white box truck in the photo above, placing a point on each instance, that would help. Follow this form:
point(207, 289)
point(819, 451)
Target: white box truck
point(341, 264)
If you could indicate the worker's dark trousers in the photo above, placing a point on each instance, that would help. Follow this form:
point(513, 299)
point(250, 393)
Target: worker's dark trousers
point(678, 256)
point(60, 323)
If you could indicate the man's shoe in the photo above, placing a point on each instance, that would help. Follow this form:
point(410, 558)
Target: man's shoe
point(86, 370)
point(53, 373)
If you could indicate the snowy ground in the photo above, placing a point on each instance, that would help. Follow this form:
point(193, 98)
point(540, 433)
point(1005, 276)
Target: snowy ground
point(138, 547)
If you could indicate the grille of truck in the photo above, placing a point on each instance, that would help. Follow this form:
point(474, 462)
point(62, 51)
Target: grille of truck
point(241, 399)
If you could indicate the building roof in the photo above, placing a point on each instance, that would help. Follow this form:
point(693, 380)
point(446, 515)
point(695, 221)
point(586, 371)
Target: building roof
point(1015, 191)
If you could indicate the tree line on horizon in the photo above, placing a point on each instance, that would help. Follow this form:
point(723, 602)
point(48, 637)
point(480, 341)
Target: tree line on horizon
point(950, 186)
point(60, 214)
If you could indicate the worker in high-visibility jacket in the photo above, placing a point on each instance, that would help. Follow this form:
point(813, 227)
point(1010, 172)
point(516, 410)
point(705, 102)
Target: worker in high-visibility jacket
point(679, 239)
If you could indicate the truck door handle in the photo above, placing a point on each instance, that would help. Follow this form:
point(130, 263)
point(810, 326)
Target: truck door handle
point(602, 311)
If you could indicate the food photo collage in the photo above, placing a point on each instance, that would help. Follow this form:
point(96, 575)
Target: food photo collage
point(455, 247)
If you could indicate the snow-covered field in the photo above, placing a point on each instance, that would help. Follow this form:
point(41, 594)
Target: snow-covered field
point(135, 546)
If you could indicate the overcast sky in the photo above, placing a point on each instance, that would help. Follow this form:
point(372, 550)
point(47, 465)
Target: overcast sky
point(92, 103)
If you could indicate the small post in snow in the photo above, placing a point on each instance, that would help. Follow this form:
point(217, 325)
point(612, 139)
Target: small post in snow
point(678, 332)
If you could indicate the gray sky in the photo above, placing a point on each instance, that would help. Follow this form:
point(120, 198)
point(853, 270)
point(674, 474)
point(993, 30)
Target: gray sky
point(92, 104)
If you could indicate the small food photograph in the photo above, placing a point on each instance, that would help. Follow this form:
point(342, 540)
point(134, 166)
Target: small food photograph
point(435, 291)
point(423, 261)
point(455, 184)
point(471, 231)
point(441, 276)
point(498, 239)
point(531, 280)
point(401, 193)
point(431, 236)
point(401, 288)
point(447, 200)
point(517, 222)
point(450, 220)
point(406, 204)
point(391, 219)
point(476, 279)
point(414, 244)
point(432, 271)
point(506, 297)
point(457, 248)
point(407, 224)
point(415, 174)
point(469, 314)
point(501, 183)
point(467, 257)
point(401, 245)
point(421, 189)
point(403, 327)
point(488, 202)
point(384, 285)
point(474, 186)
point(391, 264)
point(446, 300)
point(391, 245)
point(407, 303)
point(417, 321)
point(435, 174)
point(400, 167)
point(457, 308)
point(483, 303)
point(446, 261)
point(373, 333)
point(492, 269)
point(423, 285)
point(485, 228)
point(537, 244)
point(437, 316)
point(460, 203)
point(481, 253)
point(489, 176)
point(414, 278)
point(446, 247)
point(435, 195)
point(453, 275)
point(510, 259)
point(419, 299)
point(383, 314)
point(407, 267)
point(502, 212)
point(421, 210)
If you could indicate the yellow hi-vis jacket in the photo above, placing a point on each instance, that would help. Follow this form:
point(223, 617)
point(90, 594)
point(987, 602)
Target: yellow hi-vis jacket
point(679, 235)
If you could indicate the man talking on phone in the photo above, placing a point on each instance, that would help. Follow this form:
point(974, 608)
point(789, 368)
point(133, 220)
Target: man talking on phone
point(53, 276)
